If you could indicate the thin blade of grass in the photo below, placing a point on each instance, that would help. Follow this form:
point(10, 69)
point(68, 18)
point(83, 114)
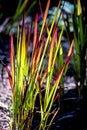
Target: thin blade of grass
point(53, 118)
point(9, 77)
point(35, 49)
point(12, 60)
point(44, 19)
point(35, 32)
point(50, 63)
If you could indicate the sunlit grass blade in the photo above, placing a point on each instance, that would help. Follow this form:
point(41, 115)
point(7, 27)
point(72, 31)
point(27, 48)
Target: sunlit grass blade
point(79, 7)
point(44, 19)
point(50, 63)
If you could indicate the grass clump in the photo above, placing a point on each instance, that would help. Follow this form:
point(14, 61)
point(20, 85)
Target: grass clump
point(33, 74)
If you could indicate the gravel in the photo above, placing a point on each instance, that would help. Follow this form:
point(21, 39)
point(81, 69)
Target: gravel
point(5, 102)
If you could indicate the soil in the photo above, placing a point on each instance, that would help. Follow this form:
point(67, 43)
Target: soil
point(5, 102)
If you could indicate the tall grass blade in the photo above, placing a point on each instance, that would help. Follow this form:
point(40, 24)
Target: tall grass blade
point(12, 61)
point(44, 19)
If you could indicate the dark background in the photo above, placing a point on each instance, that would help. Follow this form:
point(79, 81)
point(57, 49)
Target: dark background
point(8, 7)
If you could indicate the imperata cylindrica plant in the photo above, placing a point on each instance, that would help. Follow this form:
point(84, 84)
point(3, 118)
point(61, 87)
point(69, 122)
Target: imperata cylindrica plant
point(32, 75)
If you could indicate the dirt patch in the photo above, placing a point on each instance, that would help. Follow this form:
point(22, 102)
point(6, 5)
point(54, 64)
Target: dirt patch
point(5, 102)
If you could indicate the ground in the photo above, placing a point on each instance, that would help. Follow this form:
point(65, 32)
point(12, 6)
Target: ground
point(5, 102)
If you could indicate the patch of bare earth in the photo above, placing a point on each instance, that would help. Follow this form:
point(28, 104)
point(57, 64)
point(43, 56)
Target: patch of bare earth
point(5, 101)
